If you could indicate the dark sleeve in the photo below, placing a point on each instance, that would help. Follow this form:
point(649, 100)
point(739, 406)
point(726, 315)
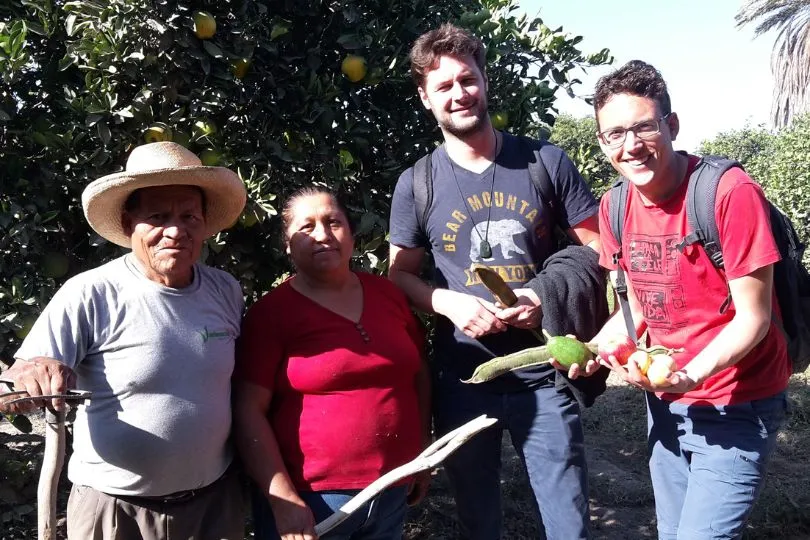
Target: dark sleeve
point(577, 203)
point(403, 225)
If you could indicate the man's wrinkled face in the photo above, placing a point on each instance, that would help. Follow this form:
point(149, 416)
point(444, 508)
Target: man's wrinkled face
point(455, 92)
point(167, 229)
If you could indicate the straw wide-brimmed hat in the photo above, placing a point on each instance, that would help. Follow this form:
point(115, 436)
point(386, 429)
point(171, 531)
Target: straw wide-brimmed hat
point(162, 164)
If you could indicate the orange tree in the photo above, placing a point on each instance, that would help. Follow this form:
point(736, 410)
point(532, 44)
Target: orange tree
point(261, 86)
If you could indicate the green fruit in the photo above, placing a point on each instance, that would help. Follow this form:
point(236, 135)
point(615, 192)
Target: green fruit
point(157, 132)
point(203, 128)
point(55, 265)
point(249, 218)
point(500, 120)
point(210, 157)
point(568, 351)
point(205, 26)
point(182, 138)
point(240, 67)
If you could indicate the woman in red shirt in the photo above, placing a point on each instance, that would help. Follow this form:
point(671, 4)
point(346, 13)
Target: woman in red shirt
point(331, 387)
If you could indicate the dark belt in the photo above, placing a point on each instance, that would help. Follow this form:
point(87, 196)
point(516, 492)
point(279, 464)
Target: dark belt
point(172, 498)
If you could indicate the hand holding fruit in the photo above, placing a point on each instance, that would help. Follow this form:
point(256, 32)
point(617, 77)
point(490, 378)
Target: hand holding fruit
point(571, 356)
point(651, 369)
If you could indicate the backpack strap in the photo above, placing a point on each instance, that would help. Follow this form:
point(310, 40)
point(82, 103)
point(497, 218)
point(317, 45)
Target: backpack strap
point(423, 188)
point(701, 195)
point(539, 175)
point(618, 205)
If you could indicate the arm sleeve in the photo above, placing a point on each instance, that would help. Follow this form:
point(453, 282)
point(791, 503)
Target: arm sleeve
point(260, 348)
point(63, 331)
point(577, 201)
point(403, 225)
point(238, 302)
point(744, 225)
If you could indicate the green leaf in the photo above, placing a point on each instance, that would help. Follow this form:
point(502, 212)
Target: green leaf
point(212, 49)
point(278, 30)
point(349, 41)
point(70, 22)
point(104, 132)
point(346, 158)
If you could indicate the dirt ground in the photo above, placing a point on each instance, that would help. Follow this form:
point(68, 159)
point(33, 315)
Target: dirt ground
point(622, 506)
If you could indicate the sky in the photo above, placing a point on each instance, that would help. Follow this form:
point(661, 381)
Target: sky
point(719, 76)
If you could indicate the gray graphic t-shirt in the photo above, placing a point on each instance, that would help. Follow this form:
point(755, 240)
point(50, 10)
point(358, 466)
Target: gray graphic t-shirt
point(511, 216)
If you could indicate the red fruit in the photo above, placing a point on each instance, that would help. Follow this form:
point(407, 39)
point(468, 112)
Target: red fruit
point(618, 345)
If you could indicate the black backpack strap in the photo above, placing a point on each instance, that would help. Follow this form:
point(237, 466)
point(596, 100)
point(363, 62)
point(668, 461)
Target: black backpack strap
point(701, 195)
point(618, 205)
point(423, 188)
point(539, 174)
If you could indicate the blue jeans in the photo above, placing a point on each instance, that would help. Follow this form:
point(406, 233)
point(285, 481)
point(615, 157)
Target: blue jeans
point(380, 519)
point(545, 429)
point(707, 464)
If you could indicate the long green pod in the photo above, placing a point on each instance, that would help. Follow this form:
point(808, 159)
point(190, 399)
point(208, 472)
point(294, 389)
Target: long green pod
point(504, 364)
point(531, 357)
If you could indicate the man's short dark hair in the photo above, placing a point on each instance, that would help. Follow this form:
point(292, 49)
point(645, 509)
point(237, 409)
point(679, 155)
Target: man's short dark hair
point(446, 40)
point(134, 200)
point(636, 78)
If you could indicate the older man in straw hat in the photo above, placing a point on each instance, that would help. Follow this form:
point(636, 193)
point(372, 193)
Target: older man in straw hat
point(151, 334)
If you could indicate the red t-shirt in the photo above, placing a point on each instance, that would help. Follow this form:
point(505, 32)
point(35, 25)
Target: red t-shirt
point(681, 293)
point(344, 411)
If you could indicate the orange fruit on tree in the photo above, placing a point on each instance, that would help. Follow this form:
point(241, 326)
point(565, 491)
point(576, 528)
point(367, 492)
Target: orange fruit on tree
point(240, 67)
point(354, 67)
point(205, 26)
point(157, 132)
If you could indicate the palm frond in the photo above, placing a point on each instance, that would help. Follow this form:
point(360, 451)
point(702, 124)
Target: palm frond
point(790, 59)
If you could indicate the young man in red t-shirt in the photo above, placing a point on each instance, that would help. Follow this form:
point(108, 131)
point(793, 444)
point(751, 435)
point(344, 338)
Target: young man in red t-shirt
point(713, 426)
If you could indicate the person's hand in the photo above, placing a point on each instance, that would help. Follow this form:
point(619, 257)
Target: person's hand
point(591, 367)
point(472, 315)
point(677, 383)
point(525, 313)
point(39, 376)
point(294, 519)
point(418, 488)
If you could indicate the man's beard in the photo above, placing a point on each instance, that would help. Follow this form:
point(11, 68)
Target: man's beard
point(473, 125)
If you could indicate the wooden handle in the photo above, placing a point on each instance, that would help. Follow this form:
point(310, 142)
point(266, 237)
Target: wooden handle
point(52, 463)
point(495, 284)
point(429, 458)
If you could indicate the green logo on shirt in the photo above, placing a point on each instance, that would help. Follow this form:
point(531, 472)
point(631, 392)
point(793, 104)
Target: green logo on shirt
point(206, 335)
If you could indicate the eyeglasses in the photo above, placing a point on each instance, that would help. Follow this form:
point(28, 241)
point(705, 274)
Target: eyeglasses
point(615, 137)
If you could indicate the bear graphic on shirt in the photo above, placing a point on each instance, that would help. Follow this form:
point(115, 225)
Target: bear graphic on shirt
point(499, 234)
